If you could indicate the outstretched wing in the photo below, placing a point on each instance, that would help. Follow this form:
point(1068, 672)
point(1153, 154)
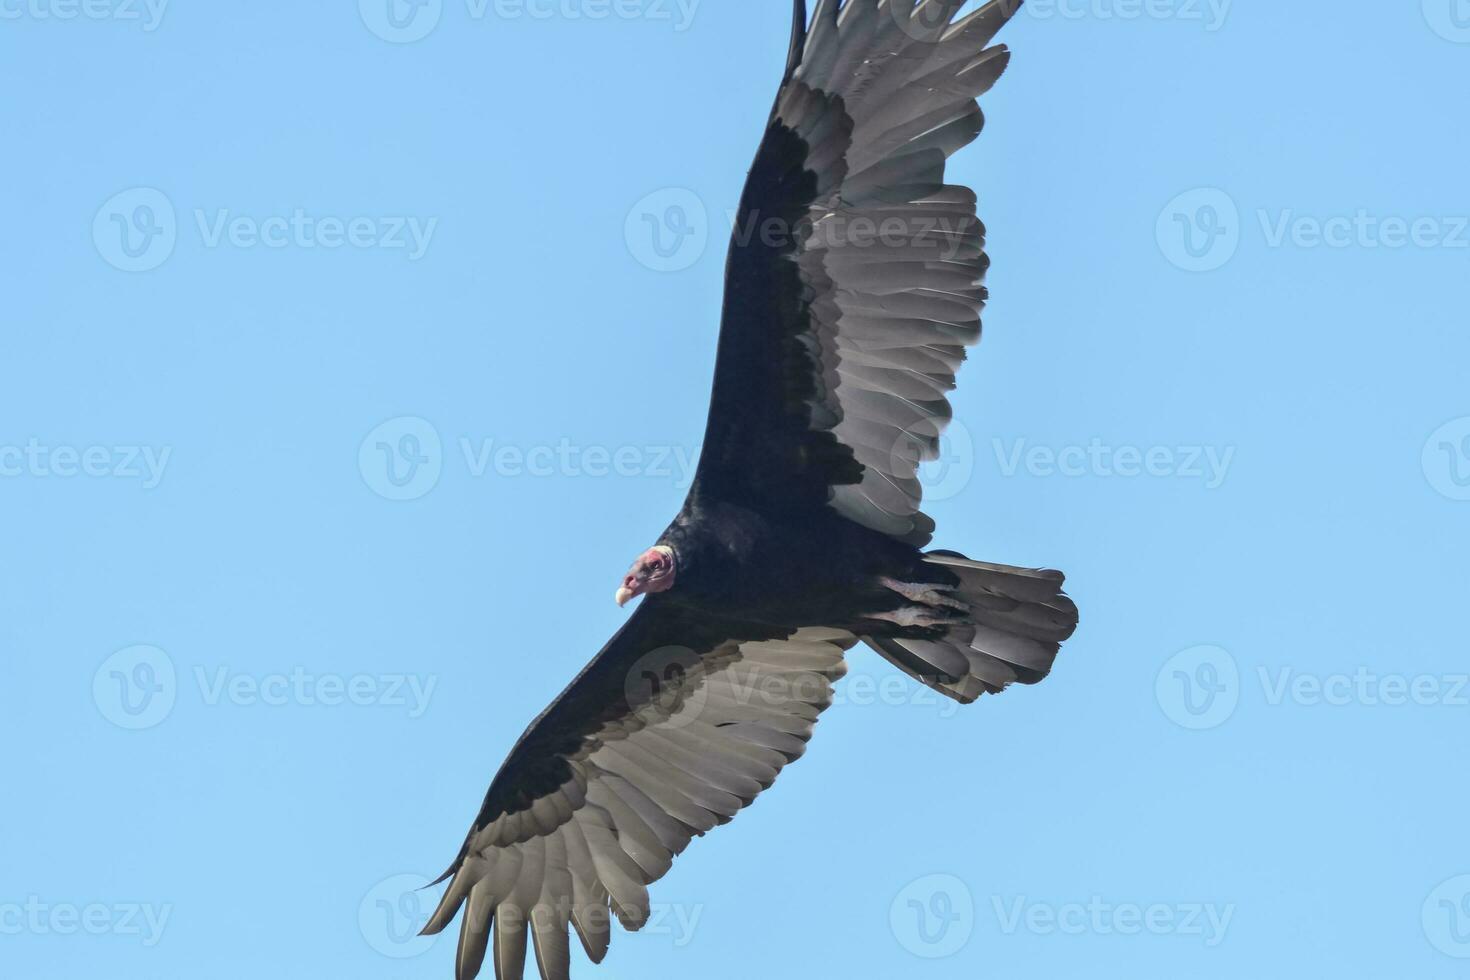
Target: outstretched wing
point(853, 280)
point(671, 730)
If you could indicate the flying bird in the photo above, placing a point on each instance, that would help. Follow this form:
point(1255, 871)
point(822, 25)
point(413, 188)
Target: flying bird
point(852, 292)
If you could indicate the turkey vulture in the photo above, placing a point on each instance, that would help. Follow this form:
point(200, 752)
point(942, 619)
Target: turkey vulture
point(852, 291)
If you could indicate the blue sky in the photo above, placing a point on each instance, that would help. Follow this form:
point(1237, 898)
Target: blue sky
point(349, 359)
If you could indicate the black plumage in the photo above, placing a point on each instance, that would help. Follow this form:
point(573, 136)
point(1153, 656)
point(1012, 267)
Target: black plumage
point(852, 292)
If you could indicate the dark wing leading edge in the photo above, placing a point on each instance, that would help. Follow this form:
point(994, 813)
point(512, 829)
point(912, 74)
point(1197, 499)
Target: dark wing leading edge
point(853, 281)
point(671, 730)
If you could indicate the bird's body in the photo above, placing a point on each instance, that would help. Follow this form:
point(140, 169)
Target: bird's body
point(852, 292)
point(805, 567)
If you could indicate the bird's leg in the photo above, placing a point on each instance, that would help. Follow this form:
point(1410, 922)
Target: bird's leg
point(929, 606)
point(936, 596)
point(919, 617)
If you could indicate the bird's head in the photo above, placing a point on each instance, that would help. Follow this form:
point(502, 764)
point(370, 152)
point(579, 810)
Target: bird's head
point(652, 572)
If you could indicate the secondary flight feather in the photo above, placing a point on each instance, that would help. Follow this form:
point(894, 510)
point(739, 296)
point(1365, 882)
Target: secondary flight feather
point(852, 292)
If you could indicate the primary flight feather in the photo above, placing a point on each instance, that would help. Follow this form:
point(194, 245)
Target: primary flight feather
point(852, 292)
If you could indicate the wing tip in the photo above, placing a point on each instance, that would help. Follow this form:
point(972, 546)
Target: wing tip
point(798, 37)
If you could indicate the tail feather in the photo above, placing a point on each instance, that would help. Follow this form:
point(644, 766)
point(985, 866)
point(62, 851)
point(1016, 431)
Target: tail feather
point(1020, 617)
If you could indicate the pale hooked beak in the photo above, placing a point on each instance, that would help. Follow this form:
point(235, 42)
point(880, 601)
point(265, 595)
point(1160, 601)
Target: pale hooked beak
point(652, 572)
